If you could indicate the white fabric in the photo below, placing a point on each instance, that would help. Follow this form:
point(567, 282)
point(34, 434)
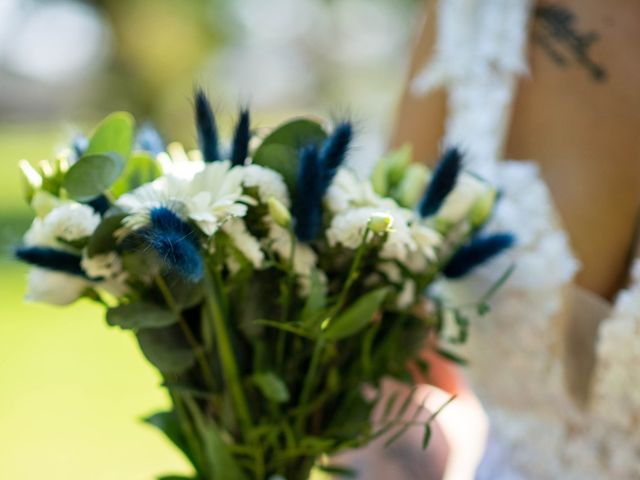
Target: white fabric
point(516, 352)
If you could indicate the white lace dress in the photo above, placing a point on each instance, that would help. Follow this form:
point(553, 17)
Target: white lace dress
point(518, 359)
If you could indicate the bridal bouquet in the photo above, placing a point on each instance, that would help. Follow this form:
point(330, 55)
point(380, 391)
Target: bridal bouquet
point(270, 286)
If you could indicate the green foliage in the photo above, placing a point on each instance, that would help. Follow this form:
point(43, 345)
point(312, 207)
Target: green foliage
point(357, 316)
point(279, 150)
point(140, 314)
point(169, 424)
point(103, 240)
point(167, 349)
point(114, 134)
point(272, 386)
point(92, 175)
point(140, 169)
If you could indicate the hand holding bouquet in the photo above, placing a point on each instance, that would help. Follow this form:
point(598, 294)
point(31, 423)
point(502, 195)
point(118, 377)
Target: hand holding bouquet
point(267, 282)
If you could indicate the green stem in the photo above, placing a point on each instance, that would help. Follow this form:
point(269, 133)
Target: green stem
point(286, 301)
point(227, 356)
point(191, 339)
point(309, 380)
point(353, 274)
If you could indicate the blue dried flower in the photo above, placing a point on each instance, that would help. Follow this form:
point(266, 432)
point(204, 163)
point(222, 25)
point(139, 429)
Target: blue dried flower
point(51, 259)
point(176, 243)
point(334, 151)
point(241, 137)
point(480, 250)
point(307, 208)
point(149, 139)
point(100, 204)
point(207, 129)
point(442, 182)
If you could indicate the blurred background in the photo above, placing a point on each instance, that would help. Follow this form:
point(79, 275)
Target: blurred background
point(72, 390)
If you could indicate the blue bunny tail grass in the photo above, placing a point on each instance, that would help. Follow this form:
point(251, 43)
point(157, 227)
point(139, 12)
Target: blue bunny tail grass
point(206, 126)
point(51, 259)
point(175, 242)
point(307, 207)
point(241, 137)
point(477, 252)
point(149, 139)
point(334, 151)
point(442, 182)
point(100, 204)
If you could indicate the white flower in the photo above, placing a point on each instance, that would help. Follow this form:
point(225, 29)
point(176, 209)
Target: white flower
point(427, 240)
point(465, 194)
point(347, 229)
point(68, 222)
point(176, 162)
point(348, 191)
point(209, 198)
point(268, 182)
point(56, 288)
point(246, 243)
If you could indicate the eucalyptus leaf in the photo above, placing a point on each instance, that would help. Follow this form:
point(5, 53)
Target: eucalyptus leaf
point(356, 317)
point(140, 314)
point(166, 348)
point(168, 423)
point(272, 386)
point(140, 169)
point(114, 134)
point(92, 175)
point(103, 239)
point(279, 150)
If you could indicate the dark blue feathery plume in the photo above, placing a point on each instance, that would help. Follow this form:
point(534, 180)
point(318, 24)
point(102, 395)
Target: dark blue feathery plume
point(241, 137)
point(149, 139)
point(100, 204)
point(478, 251)
point(207, 129)
point(176, 243)
point(334, 151)
point(51, 259)
point(307, 208)
point(442, 182)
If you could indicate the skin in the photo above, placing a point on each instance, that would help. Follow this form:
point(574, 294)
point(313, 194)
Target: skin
point(581, 127)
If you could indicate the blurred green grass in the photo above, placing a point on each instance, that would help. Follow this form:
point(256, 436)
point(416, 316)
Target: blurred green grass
point(72, 390)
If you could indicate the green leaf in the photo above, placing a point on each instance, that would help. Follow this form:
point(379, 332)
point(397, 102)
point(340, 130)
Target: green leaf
point(92, 175)
point(286, 327)
point(103, 239)
point(356, 317)
point(168, 423)
point(166, 348)
point(114, 134)
point(316, 301)
point(426, 436)
point(140, 169)
point(140, 314)
point(272, 386)
point(279, 150)
point(449, 355)
point(338, 471)
point(221, 462)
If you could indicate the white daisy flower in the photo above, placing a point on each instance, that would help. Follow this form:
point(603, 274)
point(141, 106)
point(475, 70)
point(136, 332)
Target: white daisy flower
point(268, 182)
point(465, 194)
point(348, 191)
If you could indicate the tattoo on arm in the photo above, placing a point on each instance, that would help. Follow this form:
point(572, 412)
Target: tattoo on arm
point(554, 30)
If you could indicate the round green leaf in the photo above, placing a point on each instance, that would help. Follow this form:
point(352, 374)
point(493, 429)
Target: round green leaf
point(166, 348)
point(113, 134)
point(140, 315)
point(92, 175)
point(141, 168)
point(272, 386)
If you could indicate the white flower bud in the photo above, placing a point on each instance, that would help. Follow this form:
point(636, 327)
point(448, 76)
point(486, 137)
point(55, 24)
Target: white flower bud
point(279, 212)
point(380, 222)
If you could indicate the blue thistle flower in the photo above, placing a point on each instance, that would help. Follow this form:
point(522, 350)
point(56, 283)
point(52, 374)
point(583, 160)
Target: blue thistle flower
point(442, 182)
point(307, 208)
point(334, 151)
point(149, 139)
point(478, 251)
point(206, 126)
point(241, 137)
point(175, 242)
point(51, 259)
